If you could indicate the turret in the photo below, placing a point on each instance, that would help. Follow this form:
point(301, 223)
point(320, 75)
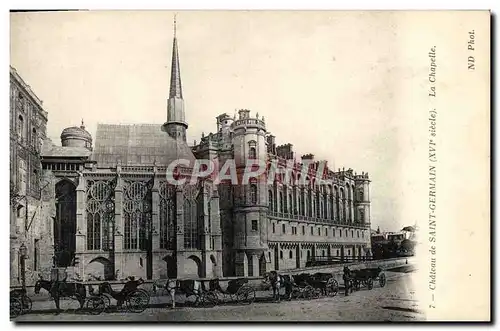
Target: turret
point(362, 198)
point(76, 137)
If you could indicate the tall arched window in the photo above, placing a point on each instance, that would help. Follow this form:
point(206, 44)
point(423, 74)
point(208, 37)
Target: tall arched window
point(167, 216)
point(20, 128)
point(290, 204)
point(34, 139)
point(253, 194)
point(252, 153)
point(191, 238)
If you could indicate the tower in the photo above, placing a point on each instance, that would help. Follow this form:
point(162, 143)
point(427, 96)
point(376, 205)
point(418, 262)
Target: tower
point(176, 124)
point(362, 198)
point(250, 199)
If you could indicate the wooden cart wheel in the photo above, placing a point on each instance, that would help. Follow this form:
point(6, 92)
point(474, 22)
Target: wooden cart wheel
point(209, 299)
point(369, 283)
point(137, 301)
point(27, 304)
point(245, 295)
point(332, 287)
point(382, 280)
point(16, 307)
point(95, 305)
point(316, 293)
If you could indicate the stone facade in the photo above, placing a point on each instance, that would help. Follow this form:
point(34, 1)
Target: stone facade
point(107, 211)
point(284, 222)
point(28, 122)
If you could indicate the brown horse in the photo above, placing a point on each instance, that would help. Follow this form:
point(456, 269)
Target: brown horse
point(62, 289)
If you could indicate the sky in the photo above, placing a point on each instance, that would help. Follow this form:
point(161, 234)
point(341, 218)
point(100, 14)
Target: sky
point(327, 82)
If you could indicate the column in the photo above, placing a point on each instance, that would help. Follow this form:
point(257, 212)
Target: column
point(206, 239)
point(179, 218)
point(119, 227)
point(81, 226)
point(155, 226)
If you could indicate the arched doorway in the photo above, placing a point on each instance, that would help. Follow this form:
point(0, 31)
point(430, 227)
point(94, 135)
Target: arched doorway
point(101, 268)
point(65, 223)
point(193, 267)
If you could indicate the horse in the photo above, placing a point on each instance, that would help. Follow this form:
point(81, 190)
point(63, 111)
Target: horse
point(62, 289)
point(187, 287)
point(278, 281)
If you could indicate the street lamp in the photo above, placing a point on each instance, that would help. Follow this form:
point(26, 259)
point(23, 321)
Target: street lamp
point(23, 251)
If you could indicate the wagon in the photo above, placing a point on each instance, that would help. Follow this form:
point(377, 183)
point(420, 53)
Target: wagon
point(366, 277)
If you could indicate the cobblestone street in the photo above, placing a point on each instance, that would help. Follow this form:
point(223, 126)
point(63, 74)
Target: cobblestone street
point(395, 302)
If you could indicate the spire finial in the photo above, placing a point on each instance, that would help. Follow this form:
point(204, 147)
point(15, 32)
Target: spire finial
point(175, 25)
point(83, 125)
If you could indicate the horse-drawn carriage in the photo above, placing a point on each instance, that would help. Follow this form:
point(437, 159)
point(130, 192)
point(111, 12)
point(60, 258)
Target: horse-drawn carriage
point(309, 286)
point(237, 290)
point(136, 299)
point(304, 285)
point(366, 277)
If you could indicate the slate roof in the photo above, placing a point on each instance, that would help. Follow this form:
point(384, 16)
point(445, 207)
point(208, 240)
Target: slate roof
point(137, 144)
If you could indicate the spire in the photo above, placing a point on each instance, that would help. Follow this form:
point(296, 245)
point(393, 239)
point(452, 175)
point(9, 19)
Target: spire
point(175, 76)
point(176, 124)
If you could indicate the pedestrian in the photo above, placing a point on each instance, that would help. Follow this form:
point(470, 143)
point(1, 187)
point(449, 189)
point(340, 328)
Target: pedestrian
point(347, 278)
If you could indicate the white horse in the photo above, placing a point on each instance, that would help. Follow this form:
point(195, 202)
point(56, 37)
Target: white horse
point(187, 287)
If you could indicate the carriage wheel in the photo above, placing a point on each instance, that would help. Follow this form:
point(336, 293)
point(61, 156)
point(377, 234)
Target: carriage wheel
point(308, 292)
point(27, 304)
point(137, 301)
point(16, 307)
point(315, 293)
point(209, 299)
point(95, 305)
point(107, 300)
point(332, 287)
point(245, 295)
point(369, 283)
point(382, 280)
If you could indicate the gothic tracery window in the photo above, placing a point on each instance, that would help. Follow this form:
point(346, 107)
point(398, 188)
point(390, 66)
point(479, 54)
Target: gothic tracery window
point(137, 214)
point(191, 227)
point(167, 216)
point(100, 215)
